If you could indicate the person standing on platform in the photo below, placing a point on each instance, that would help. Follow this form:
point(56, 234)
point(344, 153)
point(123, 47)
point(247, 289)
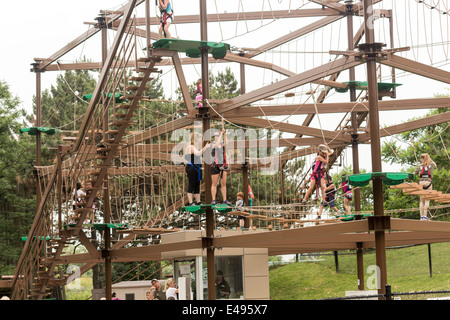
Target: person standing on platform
point(425, 172)
point(194, 168)
point(165, 7)
point(219, 166)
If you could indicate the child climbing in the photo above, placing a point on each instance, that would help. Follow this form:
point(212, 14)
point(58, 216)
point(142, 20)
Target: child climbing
point(165, 7)
point(348, 194)
point(330, 194)
point(78, 195)
point(318, 171)
point(425, 172)
point(199, 93)
point(219, 166)
point(240, 207)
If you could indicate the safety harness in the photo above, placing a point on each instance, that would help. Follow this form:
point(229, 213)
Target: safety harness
point(347, 190)
point(198, 95)
point(330, 195)
point(222, 166)
point(318, 172)
point(426, 174)
point(197, 167)
point(165, 15)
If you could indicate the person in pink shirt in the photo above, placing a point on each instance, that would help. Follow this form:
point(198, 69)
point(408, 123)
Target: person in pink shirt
point(319, 171)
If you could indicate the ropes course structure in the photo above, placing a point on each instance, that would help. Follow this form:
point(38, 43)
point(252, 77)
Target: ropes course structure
point(133, 190)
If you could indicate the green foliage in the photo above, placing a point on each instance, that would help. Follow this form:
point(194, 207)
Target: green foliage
point(224, 85)
point(407, 271)
point(62, 105)
point(432, 140)
point(17, 203)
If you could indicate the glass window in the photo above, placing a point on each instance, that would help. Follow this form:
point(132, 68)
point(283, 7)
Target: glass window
point(186, 268)
point(229, 278)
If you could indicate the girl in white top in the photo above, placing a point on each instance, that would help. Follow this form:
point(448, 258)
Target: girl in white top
point(425, 172)
point(171, 290)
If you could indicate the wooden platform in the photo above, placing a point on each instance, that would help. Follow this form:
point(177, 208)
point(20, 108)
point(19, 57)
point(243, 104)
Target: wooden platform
point(417, 190)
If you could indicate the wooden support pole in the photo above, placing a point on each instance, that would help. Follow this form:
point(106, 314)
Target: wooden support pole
point(245, 182)
point(429, 260)
point(360, 265)
point(354, 115)
point(208, 241)
point(147, 23)
point(106, 200)
point(59, 186)
point(369, 48)
point(38, 71)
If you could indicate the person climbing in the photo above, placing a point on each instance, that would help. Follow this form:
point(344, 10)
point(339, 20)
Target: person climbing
point(78, 195)
point(330, 194)
point(240, 207)
point(165, 7)
point(348, 194)
point(425, 172)
point(219, 166)
point(318, 171)
point(198, 93)
point(194, 168)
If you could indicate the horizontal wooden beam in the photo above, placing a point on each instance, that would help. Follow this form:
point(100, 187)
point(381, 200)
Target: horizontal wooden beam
point(159, 130)
point(418, 225)
point(171, 168)
point(268, 237)
point(410, 125)
point(294, 35)
point(287, 84)
point(292, 128)
point(262, 64)
point(236, 16)
point(335, 5)
point(82, 38)
point(337, 107)
point(155, 250)
point(416, 68)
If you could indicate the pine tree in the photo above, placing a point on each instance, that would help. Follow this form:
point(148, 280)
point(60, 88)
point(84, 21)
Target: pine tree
point(17, 201)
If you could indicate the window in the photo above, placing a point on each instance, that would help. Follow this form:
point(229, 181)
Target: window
point(229, 278)
point(129, 296)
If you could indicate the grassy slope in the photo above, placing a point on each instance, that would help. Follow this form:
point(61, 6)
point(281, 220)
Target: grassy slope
point(407, 271)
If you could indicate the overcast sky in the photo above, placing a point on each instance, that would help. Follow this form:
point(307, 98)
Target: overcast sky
point(37, 29)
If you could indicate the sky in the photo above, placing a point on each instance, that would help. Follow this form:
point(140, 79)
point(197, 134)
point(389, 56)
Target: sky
point(37, 29)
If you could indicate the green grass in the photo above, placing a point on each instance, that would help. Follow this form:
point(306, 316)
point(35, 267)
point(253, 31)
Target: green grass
point(407, 271)
point(80, 289)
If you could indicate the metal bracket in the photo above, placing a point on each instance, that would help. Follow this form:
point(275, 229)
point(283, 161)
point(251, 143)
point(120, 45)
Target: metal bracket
point(207, 243)
point(35, 66)
point(371, 51)
point(349, 8)
point(203, 115)
point(379, 223)
point(354, 138)
point(105, 254)
point(101, 22)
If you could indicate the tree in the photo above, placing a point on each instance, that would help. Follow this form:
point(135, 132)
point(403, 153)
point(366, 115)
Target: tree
point(433, 140)
point(17, 201)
